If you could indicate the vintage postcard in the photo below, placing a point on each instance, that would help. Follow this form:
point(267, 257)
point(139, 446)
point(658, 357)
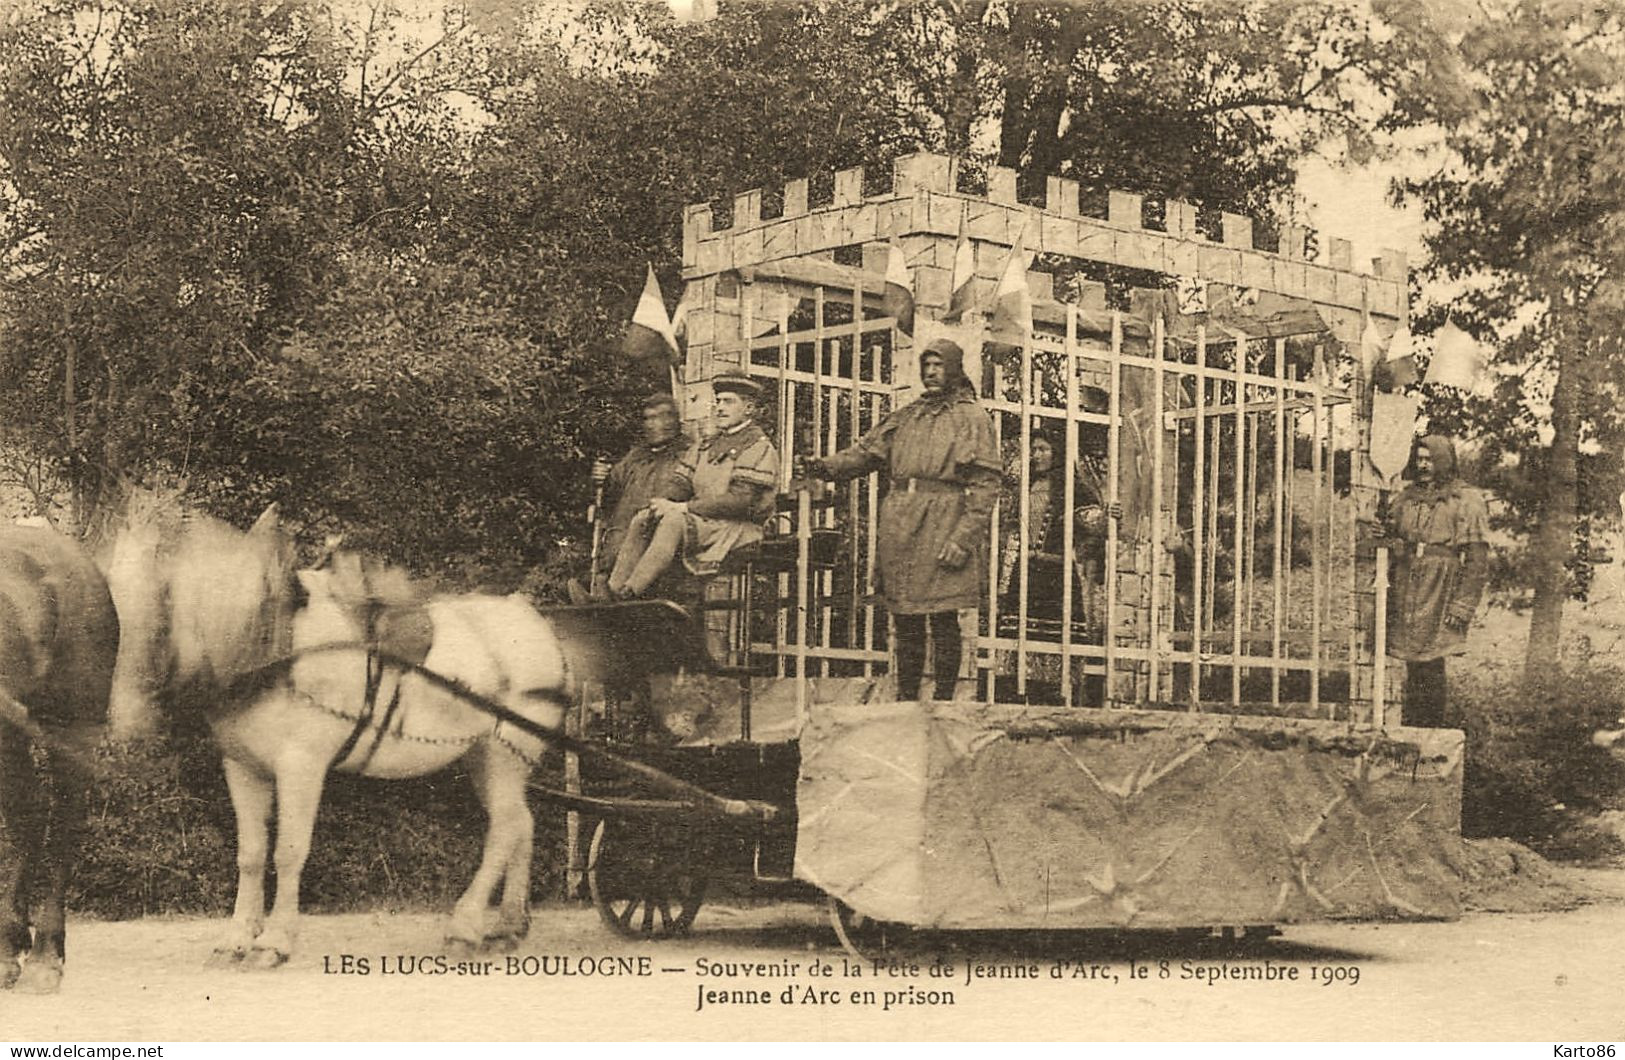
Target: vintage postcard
point(833, 521)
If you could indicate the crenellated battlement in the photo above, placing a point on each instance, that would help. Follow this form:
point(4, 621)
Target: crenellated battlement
point(924, 210)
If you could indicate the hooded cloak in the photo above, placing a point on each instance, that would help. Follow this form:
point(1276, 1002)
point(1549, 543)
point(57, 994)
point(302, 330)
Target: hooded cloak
point(944, 479)
point(1440, 568)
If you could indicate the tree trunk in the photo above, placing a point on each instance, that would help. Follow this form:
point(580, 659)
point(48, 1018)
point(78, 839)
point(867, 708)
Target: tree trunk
point(1553, 540)
point(959, 122)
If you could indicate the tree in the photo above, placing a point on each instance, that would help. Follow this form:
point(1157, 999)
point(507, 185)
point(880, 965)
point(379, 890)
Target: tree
point(1530, 229)
point(164, 222)
point(376, 261)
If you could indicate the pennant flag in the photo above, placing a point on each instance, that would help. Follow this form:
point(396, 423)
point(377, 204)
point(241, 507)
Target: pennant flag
point(1457, 358)
point(679, 317)
point(898, 295)
point(650, 338)
point(962, 282)
point(1399, 369)
point(1393, 426)
point(1372, 348)
point(1012, 321)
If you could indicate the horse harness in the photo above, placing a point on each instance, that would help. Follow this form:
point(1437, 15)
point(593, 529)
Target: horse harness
point(374, 617)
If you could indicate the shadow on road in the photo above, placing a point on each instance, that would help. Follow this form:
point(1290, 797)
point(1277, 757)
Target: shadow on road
point(812, 931)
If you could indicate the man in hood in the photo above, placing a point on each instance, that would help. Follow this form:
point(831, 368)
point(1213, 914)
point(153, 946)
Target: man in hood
point(1436, 530)
point(933, 526)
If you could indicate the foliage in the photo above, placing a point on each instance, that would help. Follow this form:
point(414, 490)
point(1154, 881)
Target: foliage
point(377, 266)
point(1531, 766)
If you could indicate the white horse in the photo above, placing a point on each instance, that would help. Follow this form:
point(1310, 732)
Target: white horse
point(235, 607)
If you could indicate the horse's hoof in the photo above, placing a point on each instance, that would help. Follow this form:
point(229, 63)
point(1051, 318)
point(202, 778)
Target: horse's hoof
point(259, 959)
point(225, 957)
point(460, 948)
point(502, 943)
point(40, 977)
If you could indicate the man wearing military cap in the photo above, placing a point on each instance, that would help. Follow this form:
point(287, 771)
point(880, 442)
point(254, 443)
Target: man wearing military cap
point(715, 501)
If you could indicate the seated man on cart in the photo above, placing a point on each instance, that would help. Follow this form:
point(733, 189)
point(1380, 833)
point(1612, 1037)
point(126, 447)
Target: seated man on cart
point(715, 501)
point(635, 480)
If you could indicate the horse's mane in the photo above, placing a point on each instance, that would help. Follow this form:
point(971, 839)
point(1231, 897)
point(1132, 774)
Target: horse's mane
point(230, 596)
point(359, 580)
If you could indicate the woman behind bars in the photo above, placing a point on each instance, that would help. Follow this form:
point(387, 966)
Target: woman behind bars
point(933, 525)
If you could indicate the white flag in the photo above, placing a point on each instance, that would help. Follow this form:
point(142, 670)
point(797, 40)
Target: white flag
point(1393, 430)
point(1458, 360)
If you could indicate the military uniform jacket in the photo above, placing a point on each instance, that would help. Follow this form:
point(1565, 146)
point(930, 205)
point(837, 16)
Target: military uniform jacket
point(728, 481)
point(636, 479)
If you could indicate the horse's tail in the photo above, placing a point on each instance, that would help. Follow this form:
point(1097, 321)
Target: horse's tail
point(135, 581)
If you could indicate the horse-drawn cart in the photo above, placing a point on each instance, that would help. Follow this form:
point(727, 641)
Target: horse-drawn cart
point(961, 815)
point(1179, 716)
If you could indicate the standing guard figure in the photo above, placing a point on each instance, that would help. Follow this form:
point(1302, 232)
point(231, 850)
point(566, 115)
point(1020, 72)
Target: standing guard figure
point(933, 525)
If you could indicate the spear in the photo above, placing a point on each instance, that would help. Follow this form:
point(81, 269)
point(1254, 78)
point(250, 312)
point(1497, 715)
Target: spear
point(595, 517)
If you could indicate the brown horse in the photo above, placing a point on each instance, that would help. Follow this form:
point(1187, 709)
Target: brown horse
point(58, 642)
point(233, 606)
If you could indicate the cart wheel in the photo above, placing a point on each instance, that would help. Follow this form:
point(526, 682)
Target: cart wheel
point(636, 894)
point(862, 936)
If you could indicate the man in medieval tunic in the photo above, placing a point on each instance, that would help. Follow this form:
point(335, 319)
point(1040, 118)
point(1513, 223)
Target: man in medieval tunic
point(933, 525)
point(714, 502)
point(636, 479)
point(1436, 532)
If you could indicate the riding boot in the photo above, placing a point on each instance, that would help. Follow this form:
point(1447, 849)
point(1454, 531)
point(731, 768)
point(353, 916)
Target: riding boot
point(910, 655)
point(947, 648)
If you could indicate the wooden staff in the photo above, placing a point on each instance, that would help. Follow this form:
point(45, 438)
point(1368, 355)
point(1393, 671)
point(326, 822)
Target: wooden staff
point(1279, 572)
point(595, 518)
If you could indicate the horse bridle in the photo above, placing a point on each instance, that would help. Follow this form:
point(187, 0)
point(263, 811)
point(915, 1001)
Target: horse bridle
point(376, 663)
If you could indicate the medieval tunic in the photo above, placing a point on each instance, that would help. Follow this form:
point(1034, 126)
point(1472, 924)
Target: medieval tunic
point(1434, 574)
point(728, 481)
point(635, 480)
point(944, 480)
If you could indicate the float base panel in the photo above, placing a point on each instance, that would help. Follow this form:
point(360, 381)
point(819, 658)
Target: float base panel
point(969, 816)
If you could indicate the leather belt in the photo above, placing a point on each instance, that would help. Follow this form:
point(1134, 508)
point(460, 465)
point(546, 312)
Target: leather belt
point(1443, 551)
point(926, 485)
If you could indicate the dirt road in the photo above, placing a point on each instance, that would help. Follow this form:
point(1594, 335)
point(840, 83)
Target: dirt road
point(1557, 977)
